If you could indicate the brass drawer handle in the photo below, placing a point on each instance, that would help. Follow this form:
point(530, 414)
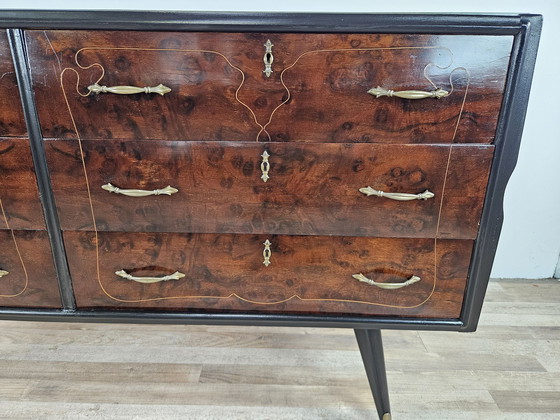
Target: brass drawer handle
point(265, 166)
point(147, 280)
point(267, 253)
point(4, 273)
point(129, 90)
point(139, 193)
point(387, 286)
point(397, 196)
point(408, 94)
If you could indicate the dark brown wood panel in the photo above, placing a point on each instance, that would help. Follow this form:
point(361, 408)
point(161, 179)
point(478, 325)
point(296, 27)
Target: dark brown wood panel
point(307, 274)
point(313, 188)
point(31, 279)
point(12, 122)
point(18, 186)
point(317, 91)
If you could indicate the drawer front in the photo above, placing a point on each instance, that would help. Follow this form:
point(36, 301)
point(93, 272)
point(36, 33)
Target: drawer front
point(302, 274)
point(317, 90)
point(27, 274)
point(310, 189)
point(18, 187)
point(12, 122)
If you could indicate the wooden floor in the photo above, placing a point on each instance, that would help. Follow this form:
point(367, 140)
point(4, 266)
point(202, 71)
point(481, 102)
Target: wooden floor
point(508, 369)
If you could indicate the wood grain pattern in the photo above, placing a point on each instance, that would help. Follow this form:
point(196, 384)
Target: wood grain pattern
point(327, 76)
point(313, 188)
point(42, 289)
point(11, 113)
point(317, 269)
point(18, 186)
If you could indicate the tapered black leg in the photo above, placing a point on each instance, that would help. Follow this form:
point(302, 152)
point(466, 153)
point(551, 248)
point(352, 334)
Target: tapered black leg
point(371, 348)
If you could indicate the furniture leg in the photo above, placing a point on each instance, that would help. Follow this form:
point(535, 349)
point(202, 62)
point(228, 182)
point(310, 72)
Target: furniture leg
point(371, 348)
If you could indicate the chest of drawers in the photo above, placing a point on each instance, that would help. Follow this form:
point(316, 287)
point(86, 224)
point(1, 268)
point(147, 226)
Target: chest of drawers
point(328, 170)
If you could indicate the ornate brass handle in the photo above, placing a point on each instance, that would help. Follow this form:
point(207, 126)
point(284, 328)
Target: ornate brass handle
point(408, 94)
point(140, 193)
point(3, 273)
point(268, 58)
point(129, 90)
point(397, 196)
point(175, 276)
point(265, 166)
point(388, 286)
point(267, 253)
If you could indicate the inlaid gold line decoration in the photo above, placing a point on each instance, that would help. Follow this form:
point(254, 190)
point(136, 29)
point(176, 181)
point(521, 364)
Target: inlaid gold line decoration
point(397, 196)
point(289, 95)
point(26, 283)
point(179, 50)
point(233, 294)
point(169, 190)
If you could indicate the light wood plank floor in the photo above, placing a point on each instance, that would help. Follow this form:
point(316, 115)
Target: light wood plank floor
point(508, 369)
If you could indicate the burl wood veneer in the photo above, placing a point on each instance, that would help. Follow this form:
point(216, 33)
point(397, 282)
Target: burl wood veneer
point(307, 274)
point(317, 91)
point(312, 189)
point(31, 278)
point(12, 122)
point(18, 186)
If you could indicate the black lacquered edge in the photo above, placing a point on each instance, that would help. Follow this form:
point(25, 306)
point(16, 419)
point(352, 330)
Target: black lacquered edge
point(262, 22)
point(228, 319)
point(508, 139)
point(17, 47)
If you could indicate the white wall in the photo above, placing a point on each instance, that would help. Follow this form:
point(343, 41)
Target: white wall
point(530, 242)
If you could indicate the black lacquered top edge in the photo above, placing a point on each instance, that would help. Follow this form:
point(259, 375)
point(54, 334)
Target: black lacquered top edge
point(263, 22)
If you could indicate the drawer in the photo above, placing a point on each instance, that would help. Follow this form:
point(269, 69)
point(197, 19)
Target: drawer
point(305, 274)
point(312, 189)
point(18, 187)
point(12, 122)
point(27, 274)
point(317, 90)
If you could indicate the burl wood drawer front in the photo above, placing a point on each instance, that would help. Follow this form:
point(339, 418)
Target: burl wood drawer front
point(19, 195)
point(307, 274)
point(310, 188)
point(27, 274)
point(317, 89)
point(11, 113)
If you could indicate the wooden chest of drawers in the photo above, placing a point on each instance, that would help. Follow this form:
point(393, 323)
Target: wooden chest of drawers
point(260, 170)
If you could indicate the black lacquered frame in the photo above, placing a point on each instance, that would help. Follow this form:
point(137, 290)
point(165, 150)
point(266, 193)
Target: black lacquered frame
point(525, 28)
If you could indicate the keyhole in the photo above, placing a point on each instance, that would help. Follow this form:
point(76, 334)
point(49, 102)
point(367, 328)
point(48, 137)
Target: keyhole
point(268, 57)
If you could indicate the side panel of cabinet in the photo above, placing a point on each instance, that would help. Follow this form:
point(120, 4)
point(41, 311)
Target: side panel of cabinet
point(18, 186)
point(28, 275)
point(12, 122)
